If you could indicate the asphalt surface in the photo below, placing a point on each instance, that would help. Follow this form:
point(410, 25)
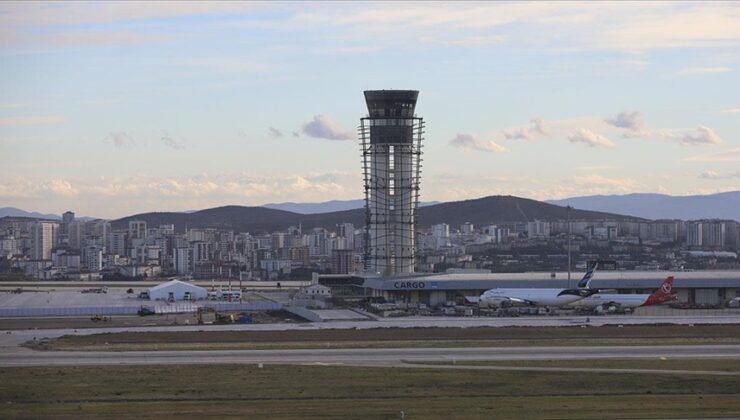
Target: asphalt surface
point(361, 357)
point(426, 321)
point(572, 369)
point(12, 354)
point(10, 340)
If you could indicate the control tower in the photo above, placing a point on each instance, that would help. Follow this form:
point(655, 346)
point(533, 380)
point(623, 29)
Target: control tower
point(391, 137)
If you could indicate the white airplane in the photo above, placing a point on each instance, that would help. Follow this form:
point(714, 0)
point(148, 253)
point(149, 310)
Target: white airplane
point(504, 298)
point(601, 303)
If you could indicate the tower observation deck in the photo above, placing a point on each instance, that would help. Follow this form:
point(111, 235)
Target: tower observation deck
point(391, 137)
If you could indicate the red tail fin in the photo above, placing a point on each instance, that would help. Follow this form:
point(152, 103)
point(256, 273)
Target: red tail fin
point(662, 294)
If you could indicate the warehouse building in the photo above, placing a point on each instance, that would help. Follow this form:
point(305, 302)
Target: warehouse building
point(696, 287)
point(177, 290)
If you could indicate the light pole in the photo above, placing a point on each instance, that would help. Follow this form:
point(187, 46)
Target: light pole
point(568, 208)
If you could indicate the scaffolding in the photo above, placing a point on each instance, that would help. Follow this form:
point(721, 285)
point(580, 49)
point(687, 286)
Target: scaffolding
point(392, 162)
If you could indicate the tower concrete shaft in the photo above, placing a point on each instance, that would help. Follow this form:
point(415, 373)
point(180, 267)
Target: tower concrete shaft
point(391, 137)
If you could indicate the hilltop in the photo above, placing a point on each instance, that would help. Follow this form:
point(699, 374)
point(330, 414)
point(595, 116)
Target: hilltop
point(493, 209)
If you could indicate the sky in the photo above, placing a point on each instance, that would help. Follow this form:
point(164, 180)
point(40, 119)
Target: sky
point(115, 108)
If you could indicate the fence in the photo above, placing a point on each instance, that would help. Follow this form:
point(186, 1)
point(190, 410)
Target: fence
point(132, 310)
point(175, 308)
point(68, 311)
point(244, 306)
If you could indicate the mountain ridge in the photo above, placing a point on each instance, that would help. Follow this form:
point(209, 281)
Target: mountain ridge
point(724, 205)
point(327, 206)
point(492, 209)
point(16, 212)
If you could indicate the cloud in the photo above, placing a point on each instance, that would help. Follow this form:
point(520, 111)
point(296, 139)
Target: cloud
point(703, 70)
point(171, 142)
point(120, 139)
point(466, 41)
point(30, 120)
point(591, 168)
point(114, 194)
point(709, 174)
point(731, 155)
point(322, 127)
point(59, 187)
point(585, 129)
point(598, 131)
point(20, 187)
point(518, 133)
point(701, 135)
point(731, 111)
point(616, 184)
point(296, 134)
point(630, 120)
point(584, 135)
point(620, 26)
point(537, 127)
point(274, 133)
point(57, 24)
point(74, 13)
point(670, 26)
point(470, 142)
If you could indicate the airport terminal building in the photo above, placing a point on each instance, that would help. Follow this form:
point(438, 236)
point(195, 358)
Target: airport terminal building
point(696, 287)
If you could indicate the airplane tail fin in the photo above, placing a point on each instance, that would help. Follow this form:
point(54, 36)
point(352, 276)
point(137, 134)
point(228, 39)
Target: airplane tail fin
point(585, 282)
point(662, 294)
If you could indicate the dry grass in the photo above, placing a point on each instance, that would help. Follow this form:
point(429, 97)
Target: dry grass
point(353, 392)
point(401, 337)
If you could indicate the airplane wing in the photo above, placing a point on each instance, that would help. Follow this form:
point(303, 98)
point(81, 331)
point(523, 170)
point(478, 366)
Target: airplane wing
point(579, 292)
point(505, 301)
point(523, 301)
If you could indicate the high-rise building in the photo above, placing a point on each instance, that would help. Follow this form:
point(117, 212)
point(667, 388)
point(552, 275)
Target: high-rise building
point(117, 243)
point(94, 258)
point(76, 234)
point(181, 259)
point(713, 234)
point(137, 229)
point(538, 229)
point(467, 228)
point(342, 261)
point(391, 137)
point(201, 251)
point(441, 230)
point(43, 237)
point(68, 217)
point(347, 231)
point(694, 233)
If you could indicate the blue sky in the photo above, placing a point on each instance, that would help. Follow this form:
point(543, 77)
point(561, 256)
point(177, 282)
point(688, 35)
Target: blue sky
point(111, 109)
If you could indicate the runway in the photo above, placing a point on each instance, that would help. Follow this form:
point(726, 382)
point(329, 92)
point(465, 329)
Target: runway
point(409, 322)
point(10, 340)
point(362, 357)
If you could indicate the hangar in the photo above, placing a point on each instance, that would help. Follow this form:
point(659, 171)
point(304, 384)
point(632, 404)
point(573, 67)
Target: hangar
point(177, 290)
point(700, 287)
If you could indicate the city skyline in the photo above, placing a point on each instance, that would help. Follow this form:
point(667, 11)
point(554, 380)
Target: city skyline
point(112, 109)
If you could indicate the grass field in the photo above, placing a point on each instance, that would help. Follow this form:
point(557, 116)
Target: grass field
point(397, 337)
point(354, 392)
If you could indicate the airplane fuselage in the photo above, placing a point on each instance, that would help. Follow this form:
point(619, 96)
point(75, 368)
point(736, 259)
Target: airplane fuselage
point(526, 297)
point(625, 301)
